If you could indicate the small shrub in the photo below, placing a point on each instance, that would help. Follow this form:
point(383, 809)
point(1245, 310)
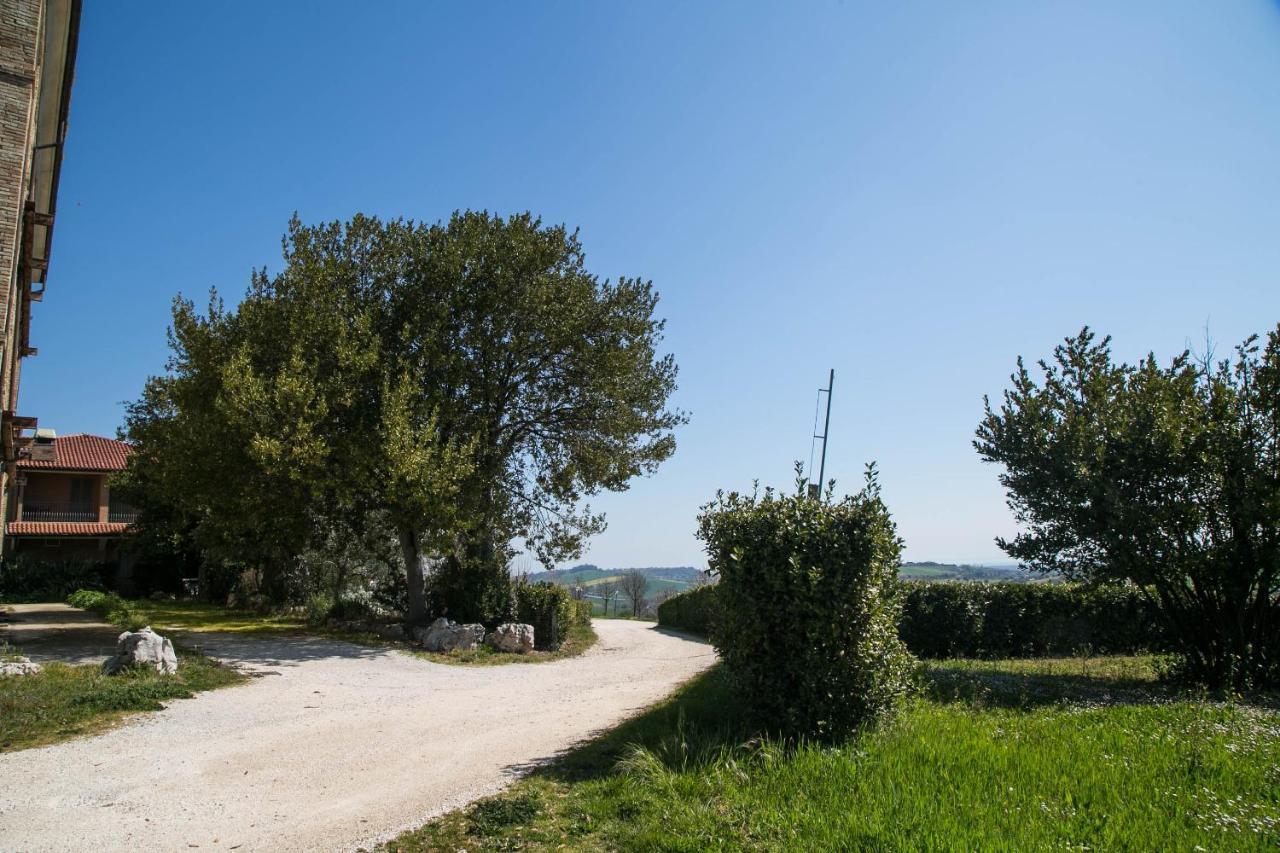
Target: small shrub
point(318, 607)
point(692, 611)
point(95, 600)
point(807, 625)
point(544, 606)
point(110, 607)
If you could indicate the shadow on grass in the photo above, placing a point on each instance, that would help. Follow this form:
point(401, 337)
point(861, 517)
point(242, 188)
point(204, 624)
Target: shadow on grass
point(693, 726)
point(702, 723)
point(1027, 691)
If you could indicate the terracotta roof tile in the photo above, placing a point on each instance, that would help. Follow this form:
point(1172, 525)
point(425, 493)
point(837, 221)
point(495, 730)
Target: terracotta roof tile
point(66, 528)
point(83, 453)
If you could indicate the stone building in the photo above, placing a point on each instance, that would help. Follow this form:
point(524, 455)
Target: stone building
point(37, 58)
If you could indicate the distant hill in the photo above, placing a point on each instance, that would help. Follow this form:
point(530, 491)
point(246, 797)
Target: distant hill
point(673, 578)
point(678, 578)
point(930, 571)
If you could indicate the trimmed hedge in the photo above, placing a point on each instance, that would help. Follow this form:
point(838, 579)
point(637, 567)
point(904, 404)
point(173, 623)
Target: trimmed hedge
point(544, 606)
point(944, 619)
point(806, 616)
point(690, 611)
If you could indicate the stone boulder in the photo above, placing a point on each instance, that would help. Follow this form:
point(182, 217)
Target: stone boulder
point(445, 636)
point(18, 665)
point(142, 648)
point(511, 637)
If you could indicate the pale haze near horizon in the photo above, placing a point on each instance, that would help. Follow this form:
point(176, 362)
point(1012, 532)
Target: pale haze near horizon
point(911, 194)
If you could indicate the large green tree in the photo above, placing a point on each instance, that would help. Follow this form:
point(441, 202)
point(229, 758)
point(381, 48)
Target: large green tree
point(469, 383)
point(1164, 477)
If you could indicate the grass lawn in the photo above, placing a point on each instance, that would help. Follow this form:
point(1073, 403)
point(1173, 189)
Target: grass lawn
point(65, 701)
point(1007, 755)
point(200, 616)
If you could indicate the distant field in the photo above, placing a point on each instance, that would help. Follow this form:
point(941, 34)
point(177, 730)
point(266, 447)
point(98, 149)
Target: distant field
point(960, 572)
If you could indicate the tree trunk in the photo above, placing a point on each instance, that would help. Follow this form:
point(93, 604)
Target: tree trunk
point(411, 546)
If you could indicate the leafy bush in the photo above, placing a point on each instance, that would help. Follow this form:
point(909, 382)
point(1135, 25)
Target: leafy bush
point(110, 607)
point(23, 577)
point(1162, 477)
point(691, 611)
point(94, 599)
point(807, 618)
point(544, 606)
point(1007, 620)
point(582, 612)
point(472, 590)
point(349, 607)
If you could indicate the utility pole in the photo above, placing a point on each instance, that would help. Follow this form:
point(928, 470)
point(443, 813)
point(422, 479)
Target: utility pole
point(815, 489)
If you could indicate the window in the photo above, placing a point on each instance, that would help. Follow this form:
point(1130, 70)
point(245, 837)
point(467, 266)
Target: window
point(81, 492)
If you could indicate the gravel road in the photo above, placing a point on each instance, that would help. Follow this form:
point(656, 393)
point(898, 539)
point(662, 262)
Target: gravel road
point(335, 746)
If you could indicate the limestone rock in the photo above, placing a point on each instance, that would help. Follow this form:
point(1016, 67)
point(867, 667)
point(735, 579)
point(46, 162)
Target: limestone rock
point(144, 648)
point(18, 665)
point(511, 637)
point(445, 636)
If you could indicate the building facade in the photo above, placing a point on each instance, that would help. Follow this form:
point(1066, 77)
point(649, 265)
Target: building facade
point(38, 40)
point(61, 508)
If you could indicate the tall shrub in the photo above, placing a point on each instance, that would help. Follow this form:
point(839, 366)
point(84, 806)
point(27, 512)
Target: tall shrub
point(1166, 478)
point(549, 608)
point(808, 617)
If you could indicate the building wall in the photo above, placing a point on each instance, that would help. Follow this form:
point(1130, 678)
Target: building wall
point(21, 40)
point(65, 549)
point(56, 487)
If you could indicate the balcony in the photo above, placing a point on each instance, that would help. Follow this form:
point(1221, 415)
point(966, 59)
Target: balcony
point(58, 511)
point(75, 512)
point(122, 513)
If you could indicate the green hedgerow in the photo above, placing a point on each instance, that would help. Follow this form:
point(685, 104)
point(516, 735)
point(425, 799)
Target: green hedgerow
point(807, 622)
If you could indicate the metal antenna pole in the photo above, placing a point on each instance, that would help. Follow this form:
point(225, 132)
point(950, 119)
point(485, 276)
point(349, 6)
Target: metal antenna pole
point(826, 430)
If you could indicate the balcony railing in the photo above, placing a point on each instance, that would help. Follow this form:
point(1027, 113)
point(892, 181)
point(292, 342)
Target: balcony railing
point(58, 511)
point(122, 513)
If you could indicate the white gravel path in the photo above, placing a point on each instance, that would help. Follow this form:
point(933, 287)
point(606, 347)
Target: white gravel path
point(335, 747)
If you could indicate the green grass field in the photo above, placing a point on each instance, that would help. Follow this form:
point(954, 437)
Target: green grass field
point(67, 701)
point(1013, 755)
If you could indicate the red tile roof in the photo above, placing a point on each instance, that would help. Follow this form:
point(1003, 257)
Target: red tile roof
point(83, 453)
point(66, 528)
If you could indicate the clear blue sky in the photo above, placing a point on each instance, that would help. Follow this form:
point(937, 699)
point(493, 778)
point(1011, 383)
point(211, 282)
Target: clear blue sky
point(910, 193)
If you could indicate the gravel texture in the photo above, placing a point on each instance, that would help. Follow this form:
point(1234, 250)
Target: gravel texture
point(334, 747)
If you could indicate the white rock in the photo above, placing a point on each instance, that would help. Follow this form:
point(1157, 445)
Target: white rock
point(445, 636)
point(146, 648)
point(511, 637)
point(18, 665)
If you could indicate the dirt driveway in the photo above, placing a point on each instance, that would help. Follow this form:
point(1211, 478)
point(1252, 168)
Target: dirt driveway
point(334, 747)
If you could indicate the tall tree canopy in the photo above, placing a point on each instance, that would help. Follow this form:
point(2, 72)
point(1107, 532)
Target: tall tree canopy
point(1164, 477)
point(467, 384)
